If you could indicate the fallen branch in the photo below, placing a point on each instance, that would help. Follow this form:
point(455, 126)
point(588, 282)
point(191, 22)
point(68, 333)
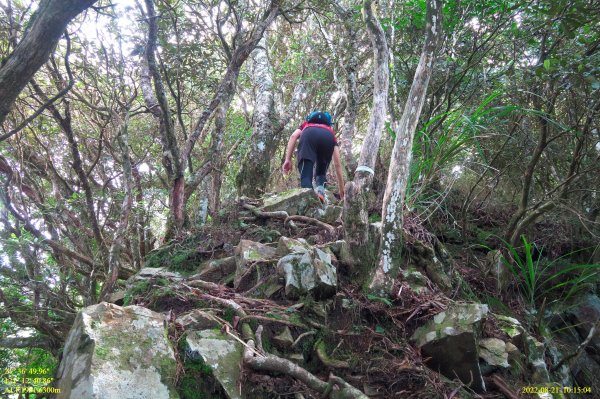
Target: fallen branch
point(305, 219)
point(501, 385)
point(580, 348)
point(276, 364)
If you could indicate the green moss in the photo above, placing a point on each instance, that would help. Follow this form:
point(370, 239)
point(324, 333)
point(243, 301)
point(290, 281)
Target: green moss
point(228, 315)
point(181, 257)
point(101, 352)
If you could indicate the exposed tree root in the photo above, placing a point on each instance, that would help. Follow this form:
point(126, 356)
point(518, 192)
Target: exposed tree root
point(305, 219)
point(271, 320)
point(306, 334)
point(326, 360)
point(261, 214)
point(272, 363)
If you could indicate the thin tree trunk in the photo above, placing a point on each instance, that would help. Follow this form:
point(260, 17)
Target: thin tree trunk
point(117, 245)
point(217, 155)
point(351, 63)
point(356, 222)
point(390, 251)
point(512, 235)
point(238, 58)
point(171, 157)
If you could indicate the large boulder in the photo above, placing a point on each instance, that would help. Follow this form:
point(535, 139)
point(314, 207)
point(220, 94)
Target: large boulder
point(450, 340)
point(584, 316)
point(250, 256)
point(288, 246)
point(295, 202)
point(222, 354)
point(433, 260)
point(117, 353)
point(328, 214)
point(308, 272)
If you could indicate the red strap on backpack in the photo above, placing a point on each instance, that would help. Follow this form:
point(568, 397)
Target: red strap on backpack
point(304, 125)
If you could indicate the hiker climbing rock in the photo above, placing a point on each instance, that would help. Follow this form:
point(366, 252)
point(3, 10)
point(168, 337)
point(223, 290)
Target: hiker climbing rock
point(317, 147)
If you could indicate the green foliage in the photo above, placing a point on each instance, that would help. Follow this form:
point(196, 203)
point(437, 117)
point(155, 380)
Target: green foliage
point(182, 257)
point(443, 140)
point(539, 279)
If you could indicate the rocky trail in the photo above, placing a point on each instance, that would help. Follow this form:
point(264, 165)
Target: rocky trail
point(264, 306)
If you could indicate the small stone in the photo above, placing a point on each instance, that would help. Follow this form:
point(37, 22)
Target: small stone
point(284, 340)
point(198, 320)
point(247, 255)
point(493, 351)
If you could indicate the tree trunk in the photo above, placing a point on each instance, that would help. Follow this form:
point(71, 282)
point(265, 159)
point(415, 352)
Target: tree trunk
point(158, 104)
point(390, 250)
point(256, 168)
point(117, 245)
point(47, 25)
point(217, 155)
point(356, 218)
point(351, 91)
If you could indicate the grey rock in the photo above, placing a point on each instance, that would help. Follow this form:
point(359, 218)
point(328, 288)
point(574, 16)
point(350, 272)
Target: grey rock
point(222, 354)
point(156, 272)
point(341, 250)
point(434, 261)
point(328, 214)
point(198, 319)
point(117, 353)
point(416, 280)
point(450, 340)
point(495, 266)
point(284, 340)
point(308, 272)
point(585, 315)
point(117, 297)
point(288, 245)
point(534, 352)
point(295, 202)
point(493, 351)
point(248, 256)
point(216, 270)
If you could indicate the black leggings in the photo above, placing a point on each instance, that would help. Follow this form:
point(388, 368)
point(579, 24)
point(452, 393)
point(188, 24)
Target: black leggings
point(305, 167)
